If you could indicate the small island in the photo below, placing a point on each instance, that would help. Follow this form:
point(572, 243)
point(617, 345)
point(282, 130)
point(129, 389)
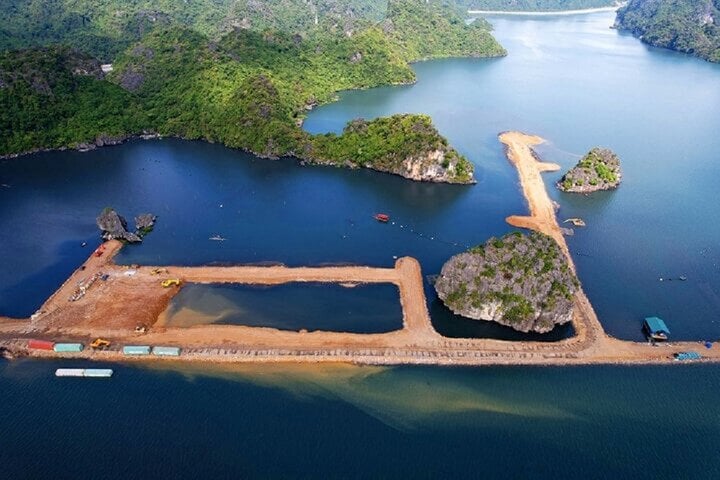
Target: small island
point(114, 226)
point(521, 281)
point(598, 170)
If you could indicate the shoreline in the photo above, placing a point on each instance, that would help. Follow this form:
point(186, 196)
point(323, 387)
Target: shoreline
point(111, 308)
point(583, 11)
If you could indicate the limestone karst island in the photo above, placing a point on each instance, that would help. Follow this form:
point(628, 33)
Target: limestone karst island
point(359, 239)
point(598, 170)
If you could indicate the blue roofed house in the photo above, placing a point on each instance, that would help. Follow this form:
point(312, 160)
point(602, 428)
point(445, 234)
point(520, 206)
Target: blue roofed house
point(656, 329)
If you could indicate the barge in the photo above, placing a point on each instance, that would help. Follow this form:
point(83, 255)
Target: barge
point(84, 372)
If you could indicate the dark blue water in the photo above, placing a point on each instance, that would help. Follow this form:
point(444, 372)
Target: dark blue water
point(367, 308)
point(350, 422)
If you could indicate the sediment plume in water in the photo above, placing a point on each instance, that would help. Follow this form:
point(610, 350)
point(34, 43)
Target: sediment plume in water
point(403, 398)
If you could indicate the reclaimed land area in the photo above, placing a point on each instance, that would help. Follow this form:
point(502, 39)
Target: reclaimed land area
point(117, 298)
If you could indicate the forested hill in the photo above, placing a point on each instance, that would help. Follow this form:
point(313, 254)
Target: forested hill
point(104, 28)
point(247, 89)
point(534, 5)
point(689, 26)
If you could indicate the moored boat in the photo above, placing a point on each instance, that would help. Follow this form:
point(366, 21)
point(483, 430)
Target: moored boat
point(84, 372)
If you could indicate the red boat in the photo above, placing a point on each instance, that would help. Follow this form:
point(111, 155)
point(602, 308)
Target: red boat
point(381, 217)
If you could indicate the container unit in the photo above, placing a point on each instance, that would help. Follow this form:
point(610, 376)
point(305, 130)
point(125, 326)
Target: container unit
point(166, 351)
point(136, 350)
point(68, 347)
point(40, 345)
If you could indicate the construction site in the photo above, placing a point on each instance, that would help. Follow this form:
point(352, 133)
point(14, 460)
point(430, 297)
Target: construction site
point(113, 310)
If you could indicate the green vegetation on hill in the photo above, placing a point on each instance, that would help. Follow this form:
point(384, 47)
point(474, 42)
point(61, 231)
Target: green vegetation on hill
point(533, 5)
point(55, 97)
point(521, 281)
point(250, 90)
point(445, 35)
point(688, 26)
point(599, 169)
point(104, 28)
point(401, 144)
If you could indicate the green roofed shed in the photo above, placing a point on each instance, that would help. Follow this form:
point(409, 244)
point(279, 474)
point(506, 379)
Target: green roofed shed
point(656, 328)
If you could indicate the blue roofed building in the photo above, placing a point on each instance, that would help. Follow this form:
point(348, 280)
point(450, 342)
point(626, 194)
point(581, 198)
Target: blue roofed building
point(656, 329)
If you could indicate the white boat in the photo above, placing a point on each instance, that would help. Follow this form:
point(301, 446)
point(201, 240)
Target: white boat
point(84, 372)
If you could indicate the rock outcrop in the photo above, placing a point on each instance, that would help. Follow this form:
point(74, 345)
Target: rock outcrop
point(145, 222)
point(521, 281)
point(114, 226)
point(599, 169)
point(434, 166)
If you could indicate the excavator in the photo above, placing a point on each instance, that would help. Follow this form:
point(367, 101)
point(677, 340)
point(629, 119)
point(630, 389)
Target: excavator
point(100, 344)
point(170, 282)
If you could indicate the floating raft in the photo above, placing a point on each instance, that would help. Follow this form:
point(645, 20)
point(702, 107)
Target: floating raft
point(84, 372)
point(578, 222)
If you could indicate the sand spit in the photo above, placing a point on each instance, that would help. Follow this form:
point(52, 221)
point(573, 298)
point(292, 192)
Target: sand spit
point(125, 297)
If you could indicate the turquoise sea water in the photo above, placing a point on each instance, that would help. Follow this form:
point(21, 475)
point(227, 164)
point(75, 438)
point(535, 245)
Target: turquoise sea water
point(571, 80)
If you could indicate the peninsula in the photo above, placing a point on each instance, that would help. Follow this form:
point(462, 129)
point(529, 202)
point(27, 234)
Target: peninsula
point(687, 26)
point(246, 87)
point(113, 307)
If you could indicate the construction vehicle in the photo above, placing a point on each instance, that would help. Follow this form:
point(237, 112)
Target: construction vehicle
point(100, 344)
point(158, 271)
point(170, 282)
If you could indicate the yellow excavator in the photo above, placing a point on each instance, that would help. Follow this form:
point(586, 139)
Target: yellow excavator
point(170, 282)
point(100, 344)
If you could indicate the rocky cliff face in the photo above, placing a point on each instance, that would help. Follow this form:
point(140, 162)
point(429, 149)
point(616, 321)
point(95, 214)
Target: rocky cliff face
point(145, 222)
point(434, 166)
point(598, 170)
point(114, 226)
point(521, 281)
